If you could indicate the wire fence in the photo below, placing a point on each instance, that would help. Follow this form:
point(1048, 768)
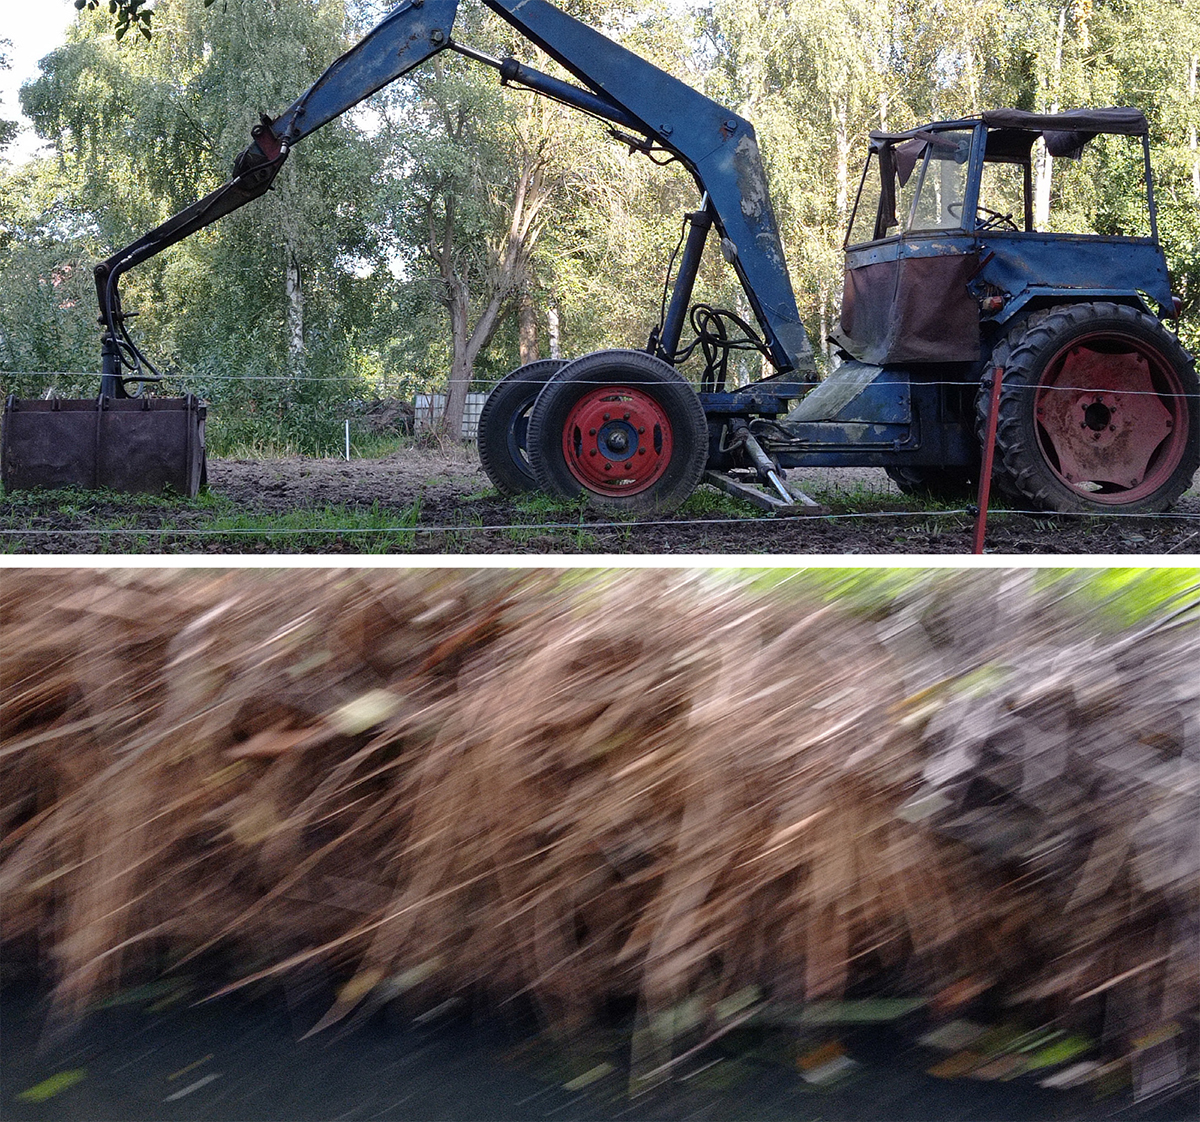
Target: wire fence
point(415, 529)
point(481, 396)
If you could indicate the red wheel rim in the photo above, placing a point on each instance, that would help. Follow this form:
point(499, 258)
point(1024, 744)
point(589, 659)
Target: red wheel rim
point(617, 440)
point(1112, 421)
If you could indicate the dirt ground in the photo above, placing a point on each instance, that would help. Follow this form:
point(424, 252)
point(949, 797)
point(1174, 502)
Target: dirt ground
point(458, 512)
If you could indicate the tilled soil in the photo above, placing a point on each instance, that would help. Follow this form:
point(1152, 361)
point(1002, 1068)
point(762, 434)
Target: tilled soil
point(431, 501)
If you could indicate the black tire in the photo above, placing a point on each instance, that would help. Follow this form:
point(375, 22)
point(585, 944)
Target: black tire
point(1098, 411)
point(504, 423)
point(1004, 487)
point(646, 447)
point(945, 484)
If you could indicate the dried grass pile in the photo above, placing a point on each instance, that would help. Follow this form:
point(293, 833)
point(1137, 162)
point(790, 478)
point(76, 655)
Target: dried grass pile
point(586, 789)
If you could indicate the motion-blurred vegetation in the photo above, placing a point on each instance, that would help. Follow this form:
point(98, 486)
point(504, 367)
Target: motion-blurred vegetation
point(1118, 597)
point(672, 802)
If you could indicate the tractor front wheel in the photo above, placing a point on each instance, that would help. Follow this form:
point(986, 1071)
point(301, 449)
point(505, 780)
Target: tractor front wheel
point(621, 427)
point(504, 425)
point(1098, 412)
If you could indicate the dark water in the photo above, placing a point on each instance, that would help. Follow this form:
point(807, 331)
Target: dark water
point(237, 1059)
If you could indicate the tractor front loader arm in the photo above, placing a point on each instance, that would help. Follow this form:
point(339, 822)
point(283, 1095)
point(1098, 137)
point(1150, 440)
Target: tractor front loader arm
point(254, 173)
point(717, 147)
point(404, 38)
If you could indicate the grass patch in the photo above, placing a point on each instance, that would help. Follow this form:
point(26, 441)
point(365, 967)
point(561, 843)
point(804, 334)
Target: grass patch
point(373, 530)
point(77, 501)
point(862, 498)
point(377, 446)
point(567, 520)
point(710, 502)
point(369, 446)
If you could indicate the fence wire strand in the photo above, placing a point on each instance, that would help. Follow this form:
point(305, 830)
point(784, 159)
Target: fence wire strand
point(576, 527)
point(967, 383)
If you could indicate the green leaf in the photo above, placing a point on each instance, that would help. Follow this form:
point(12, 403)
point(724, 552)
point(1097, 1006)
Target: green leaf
point(55, 1085)
point(589, 1076)
point(1060, 1052)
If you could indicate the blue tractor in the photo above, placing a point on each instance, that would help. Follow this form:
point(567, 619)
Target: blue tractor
point(949, 284)
point(947, 287)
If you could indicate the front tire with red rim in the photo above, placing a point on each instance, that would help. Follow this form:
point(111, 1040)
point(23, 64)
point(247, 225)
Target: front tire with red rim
point(621, 427)
point(1099, 411)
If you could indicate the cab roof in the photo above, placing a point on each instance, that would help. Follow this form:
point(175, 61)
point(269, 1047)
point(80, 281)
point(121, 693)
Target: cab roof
point(1065, 133)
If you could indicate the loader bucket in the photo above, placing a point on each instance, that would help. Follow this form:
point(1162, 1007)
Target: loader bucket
point(123, 444)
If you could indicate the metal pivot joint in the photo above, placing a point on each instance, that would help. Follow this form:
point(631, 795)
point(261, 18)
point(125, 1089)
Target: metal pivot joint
point(767, 469)
point(110, 368)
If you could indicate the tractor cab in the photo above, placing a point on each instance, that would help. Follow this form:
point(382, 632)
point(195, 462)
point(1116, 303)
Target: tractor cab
point(942, 245)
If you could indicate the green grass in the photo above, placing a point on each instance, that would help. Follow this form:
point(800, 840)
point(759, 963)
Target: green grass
point(369, 446)
point(537, 509)
point(373, 530)
point(861, 498)
point(463, 541)
point(73, 501)
point(709, 502)
point(377, 446)
point(169, 523)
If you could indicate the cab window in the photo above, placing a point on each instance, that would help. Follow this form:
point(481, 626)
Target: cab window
point(866, 206)
point(936, 197)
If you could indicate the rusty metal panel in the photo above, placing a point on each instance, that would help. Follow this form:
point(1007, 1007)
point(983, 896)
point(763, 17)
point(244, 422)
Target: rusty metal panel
point(135, 445)
point(912, 309)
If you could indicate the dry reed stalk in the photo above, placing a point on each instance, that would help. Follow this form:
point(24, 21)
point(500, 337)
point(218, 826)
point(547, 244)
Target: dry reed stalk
point(189, 793)
point(589, 788)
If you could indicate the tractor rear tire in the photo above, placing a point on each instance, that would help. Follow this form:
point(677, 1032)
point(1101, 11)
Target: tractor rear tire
point(504, 424)
point(943, 484)
point(1099, 411)
point(621, 428)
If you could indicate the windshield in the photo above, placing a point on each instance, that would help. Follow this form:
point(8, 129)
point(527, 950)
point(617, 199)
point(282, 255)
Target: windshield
point(914, 185)
point(935, 200)
point(866, 208)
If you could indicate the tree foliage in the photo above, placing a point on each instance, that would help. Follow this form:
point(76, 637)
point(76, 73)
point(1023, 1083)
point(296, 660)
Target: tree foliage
point(128, 14)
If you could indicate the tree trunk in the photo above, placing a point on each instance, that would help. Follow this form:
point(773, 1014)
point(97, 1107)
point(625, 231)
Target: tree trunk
point(527, 329)
point(552, 329)
point(294, 290)
point(842, 171)
point(507, 273)
point(823, 323)
point(1043, 164)
point(461, 361)
point(1192, 128)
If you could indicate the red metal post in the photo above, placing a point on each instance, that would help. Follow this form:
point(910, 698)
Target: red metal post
point(989, 448)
